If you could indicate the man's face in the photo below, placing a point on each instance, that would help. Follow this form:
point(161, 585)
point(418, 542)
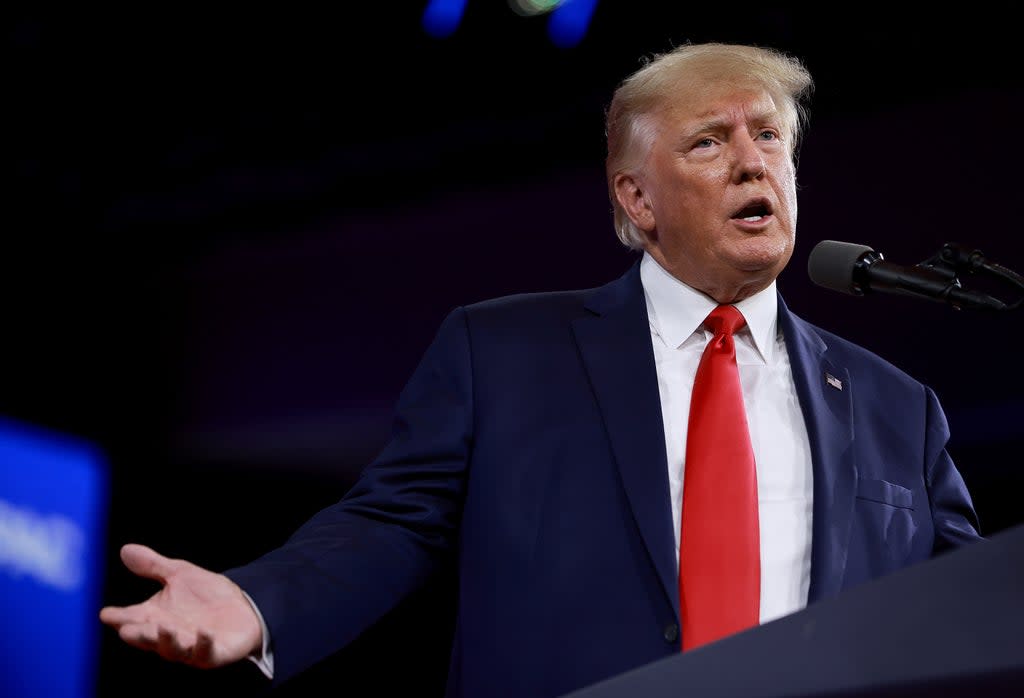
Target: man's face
point(716, 195)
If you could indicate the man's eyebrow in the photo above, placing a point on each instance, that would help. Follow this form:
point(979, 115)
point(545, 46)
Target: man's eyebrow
point(769, 115)
point(709, 126)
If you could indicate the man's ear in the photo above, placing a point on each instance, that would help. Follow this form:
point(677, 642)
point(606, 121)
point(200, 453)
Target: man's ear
point(633, 199)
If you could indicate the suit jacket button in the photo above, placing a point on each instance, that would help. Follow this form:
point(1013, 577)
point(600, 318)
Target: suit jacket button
point(671, 633)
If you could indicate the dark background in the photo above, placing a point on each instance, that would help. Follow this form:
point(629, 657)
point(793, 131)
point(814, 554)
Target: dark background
point(228, 237)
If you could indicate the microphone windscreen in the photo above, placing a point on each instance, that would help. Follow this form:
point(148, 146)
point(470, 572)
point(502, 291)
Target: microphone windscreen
point(831, 264)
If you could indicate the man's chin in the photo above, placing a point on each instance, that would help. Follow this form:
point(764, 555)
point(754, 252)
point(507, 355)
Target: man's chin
point(762, 257)
point(760, 266)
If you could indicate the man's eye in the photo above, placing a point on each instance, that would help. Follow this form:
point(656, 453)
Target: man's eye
point(768, 136)
point(704, 143)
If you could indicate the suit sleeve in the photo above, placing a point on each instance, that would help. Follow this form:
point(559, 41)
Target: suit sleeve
point(953, 514)
point(354, 561)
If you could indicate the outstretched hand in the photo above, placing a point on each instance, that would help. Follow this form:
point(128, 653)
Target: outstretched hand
point(198, 617)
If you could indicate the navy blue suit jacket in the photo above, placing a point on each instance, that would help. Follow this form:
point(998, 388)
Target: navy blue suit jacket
point(528, 449)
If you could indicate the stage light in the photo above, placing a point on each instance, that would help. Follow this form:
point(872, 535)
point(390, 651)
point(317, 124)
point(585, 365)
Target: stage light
point(568, 23)
point(528, 8)
point(441, 17)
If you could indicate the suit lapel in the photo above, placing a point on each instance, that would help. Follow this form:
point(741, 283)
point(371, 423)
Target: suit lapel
point(826, 395)
point(615, 343)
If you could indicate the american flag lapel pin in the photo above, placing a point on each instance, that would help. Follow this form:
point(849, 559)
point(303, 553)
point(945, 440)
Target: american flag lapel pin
point(833, 381)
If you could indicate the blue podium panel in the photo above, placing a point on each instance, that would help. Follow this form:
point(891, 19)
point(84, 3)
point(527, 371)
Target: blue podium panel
point(53, 502)
point(951, 626)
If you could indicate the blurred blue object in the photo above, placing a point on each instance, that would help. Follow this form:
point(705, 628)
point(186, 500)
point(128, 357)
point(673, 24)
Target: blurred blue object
point(441, 17)
point(54, 494)
point(569, 22)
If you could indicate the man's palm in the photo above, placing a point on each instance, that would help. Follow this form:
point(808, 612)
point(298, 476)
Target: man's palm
point(198, 617)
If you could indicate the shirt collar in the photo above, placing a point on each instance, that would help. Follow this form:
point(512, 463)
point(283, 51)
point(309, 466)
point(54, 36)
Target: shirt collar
point(676, 310)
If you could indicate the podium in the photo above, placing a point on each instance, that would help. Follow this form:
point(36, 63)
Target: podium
point(950, 626)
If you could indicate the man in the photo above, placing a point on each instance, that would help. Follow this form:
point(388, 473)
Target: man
point(565, 451)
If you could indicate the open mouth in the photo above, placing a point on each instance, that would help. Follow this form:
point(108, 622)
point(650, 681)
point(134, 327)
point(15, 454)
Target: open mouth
point(754, 210)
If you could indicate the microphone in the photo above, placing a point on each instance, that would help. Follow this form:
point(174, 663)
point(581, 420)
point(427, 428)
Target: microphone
point(859, 270)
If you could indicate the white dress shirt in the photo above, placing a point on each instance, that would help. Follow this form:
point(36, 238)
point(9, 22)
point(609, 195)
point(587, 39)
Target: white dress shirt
point(777, 431)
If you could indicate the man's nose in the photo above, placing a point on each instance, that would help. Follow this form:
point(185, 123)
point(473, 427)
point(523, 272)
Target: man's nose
point(749, 162)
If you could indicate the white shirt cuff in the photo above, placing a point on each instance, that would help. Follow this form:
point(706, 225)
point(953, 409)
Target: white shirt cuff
point(265, 660)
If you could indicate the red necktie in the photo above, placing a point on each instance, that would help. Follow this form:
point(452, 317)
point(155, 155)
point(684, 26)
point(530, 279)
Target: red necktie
point(719, 543)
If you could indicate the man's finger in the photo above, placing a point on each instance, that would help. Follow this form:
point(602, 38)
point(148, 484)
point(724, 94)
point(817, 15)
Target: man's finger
point(116, 615)
point(169, 646)
point(146, 562)
point(202, 655)
point(120, 615)
point(141, 635)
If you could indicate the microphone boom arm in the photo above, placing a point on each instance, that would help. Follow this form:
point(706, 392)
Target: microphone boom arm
point(956, 259)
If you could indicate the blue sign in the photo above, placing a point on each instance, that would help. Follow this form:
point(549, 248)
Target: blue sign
point(53, 512)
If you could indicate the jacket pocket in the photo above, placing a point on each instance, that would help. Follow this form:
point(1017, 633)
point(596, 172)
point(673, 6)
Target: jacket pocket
point(884, 492)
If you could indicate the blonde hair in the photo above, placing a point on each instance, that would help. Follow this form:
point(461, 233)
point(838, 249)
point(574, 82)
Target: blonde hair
point(630, 133)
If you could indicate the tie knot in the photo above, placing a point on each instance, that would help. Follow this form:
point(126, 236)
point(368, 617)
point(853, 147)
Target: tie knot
point(725, 319)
